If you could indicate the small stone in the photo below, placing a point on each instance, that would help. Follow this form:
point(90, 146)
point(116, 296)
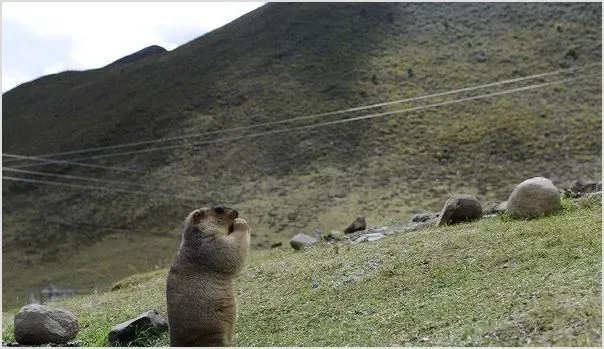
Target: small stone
point(302, 240)
point(582, 186)
point(374, 236)
point(496, 208)
point(594, 196)
point(481, 57)
point(358, 225)
point(129, 332)
point(423, 217)
point(360, 240)
point(37, 324)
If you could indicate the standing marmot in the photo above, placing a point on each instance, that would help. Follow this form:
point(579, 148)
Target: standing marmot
point(201, 301)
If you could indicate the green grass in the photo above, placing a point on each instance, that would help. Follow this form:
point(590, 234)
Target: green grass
point(286, 60)
point(495, 282)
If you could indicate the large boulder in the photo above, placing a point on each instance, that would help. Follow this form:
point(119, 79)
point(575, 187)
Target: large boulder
point(37, 324)
point(533, 198)
point(137, 330)
point(460, 208)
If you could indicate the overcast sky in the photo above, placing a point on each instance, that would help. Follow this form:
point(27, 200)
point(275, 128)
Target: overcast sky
point(47, 38)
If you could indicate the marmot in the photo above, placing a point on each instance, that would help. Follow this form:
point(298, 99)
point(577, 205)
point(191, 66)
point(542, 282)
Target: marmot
point(201, 300)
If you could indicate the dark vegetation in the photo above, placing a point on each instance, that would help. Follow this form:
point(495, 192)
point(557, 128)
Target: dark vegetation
point(285, 60)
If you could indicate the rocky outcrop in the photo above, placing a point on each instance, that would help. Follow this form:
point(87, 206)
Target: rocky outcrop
point(533, 198)
point(37, 324)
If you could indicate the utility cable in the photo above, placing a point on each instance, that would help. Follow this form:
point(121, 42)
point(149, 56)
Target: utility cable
point(39, 181)
point(65, 162)
point(329, 123)
point(336, 112)
point(58, 175)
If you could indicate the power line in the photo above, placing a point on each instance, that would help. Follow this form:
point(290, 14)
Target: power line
point(46, 161)
point(305, 117)
point(329, 123)
point(65, 162)
point(108, 181)
point(39, 181)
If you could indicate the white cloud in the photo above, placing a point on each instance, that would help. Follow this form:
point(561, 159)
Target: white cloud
point(100, 33)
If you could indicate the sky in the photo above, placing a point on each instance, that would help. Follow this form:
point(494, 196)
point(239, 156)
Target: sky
point(46, 38)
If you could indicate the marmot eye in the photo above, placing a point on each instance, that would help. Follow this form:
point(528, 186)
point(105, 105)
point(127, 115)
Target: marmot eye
point(219, 210)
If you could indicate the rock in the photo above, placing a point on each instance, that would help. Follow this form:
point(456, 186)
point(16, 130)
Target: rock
point(533, 198)
point(594, 196)
point(302, 240)
point(481, 57)
point(581, 186)
point(39, 324)
point(376, 230)
point(495, 208)
point(335, 235)
point(357, 225)
point(76, 343)
point(460, 208)
point(374, 236)
point(130, 332)
point(423, 217)
point(418, 226)
point(361, 239)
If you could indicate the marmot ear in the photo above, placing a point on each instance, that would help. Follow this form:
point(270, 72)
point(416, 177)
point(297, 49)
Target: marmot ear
point(198, 215)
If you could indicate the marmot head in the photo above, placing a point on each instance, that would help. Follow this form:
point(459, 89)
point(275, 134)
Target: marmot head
point(210, 221)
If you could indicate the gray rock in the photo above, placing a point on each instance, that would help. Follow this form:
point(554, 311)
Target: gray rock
point(594, 196)
point(358, 225)
point(361, 239)
point(302, 240)
point(423, 217)
point(495, 208)
point(374, 236)
point(39, 324)
point(376, 230)
point(335, 235)
point(581, 186)
point(77, 343)
point(460, 208)
point(533, 198)
point(150, 323)
point(481, 57)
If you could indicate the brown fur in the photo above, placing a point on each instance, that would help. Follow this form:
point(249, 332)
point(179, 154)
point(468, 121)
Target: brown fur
point(201, 301)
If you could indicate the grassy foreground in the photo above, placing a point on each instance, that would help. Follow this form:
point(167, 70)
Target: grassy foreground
point(494, 282)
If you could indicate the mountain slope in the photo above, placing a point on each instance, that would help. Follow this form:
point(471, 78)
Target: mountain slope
point(285, 60)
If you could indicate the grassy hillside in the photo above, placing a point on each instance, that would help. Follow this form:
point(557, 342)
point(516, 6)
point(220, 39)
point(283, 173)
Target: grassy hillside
point(286, 60)
point(493, 282)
